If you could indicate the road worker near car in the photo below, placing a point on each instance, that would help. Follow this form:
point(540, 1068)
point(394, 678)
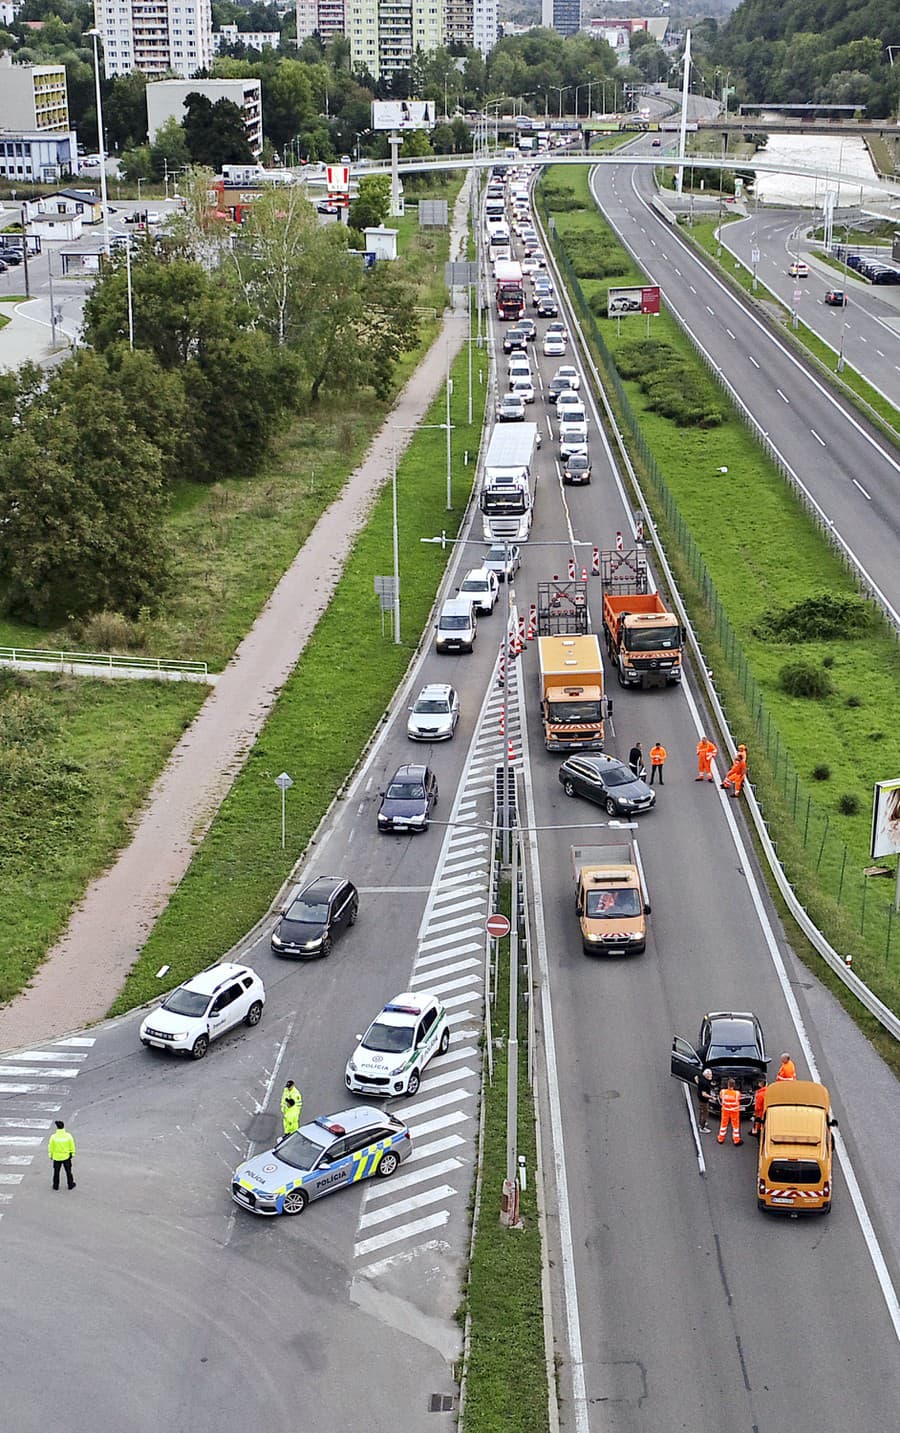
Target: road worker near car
point(759, 1108)
point(730, 1101)
point(61, 1149)
point(290, 1116)
point(291, 1094)
point(658, 756)
point(788, 1070)
point(737, 774)
point(707, 751)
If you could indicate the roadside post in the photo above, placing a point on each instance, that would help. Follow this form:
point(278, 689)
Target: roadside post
point(284, 784)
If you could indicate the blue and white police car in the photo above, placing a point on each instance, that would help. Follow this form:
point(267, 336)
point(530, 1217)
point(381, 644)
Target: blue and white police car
point(321, 1157)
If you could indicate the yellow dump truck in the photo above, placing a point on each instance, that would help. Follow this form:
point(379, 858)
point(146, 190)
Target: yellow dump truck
point(573, 707)
point(611, 898)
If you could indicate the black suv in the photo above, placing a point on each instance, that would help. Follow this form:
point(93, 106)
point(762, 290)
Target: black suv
point(577, 468)
point(312, 916)
point(732, 1046)
point(407, 802)
point(559, 384)
point(515, 338)
point(547, 307)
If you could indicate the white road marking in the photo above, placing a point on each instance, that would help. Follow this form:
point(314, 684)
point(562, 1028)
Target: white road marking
point(467, 949)
point(862, 490)
point(453, 901)
point(402, 1206)
point(445, 940)
point(11, 1178)
point(435, 1082)
point(454, 923)
point(381, 1266)
point(817, 438)
point(463, 1052)
point(410, 1113)
point(437, 1146)
point(458, 1117)
point(783, 396)
point(709, 311)
point(48, 1055)
point(78, 1042)
point(701, 1162)
point(36, 1070)
point(441, 986)
point(752, 360)
point(428, 975)
point(380, 1189)
point(16, 1158)
point(730, 334)
point(25, 1124)
point(403, 1231)
point(21, 1141)
point(453, 1000)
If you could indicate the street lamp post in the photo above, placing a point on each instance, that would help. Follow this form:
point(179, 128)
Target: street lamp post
point(587, 85)
point(95, 35)
point(560, 90)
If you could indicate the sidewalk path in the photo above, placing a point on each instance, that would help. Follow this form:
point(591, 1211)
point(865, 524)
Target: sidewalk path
point(85, 970)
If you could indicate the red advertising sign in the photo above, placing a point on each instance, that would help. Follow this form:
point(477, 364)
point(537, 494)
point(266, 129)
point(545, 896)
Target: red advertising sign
point(337, 178)
point(621, 302)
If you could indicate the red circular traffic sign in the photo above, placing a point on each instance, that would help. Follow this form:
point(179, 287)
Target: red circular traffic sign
point(497, 926)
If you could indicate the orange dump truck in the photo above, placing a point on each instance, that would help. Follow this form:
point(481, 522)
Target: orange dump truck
point(644, 639)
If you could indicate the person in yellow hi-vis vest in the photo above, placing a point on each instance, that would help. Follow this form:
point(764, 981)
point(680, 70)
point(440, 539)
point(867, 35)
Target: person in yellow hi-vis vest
point(290, 1116)
point(61, 1149)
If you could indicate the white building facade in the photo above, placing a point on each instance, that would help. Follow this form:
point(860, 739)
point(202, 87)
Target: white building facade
point(166, 100)
point(157, 37)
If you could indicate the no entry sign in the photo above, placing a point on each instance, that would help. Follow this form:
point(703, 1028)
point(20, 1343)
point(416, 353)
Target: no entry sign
point(497, 926)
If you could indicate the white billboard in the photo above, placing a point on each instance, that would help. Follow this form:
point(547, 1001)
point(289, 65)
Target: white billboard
point(886, 819)
point(402, 114)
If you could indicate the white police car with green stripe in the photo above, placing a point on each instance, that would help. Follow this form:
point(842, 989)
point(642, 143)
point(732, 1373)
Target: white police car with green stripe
point(321, 1157)
point(397, 1046)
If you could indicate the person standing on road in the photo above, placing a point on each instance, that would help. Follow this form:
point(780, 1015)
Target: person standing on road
point(636, 759)
point(61, 1149)
point(290, 1116)
point(707, 751)
point(737, 774)
point(290, 1094)
point(788, 1070)
point(704, 1084)
point(759, 1108)
point(731, 1113)
point(658, 756)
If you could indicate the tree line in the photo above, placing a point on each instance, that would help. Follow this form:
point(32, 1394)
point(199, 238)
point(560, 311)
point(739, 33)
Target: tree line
point(227, 339)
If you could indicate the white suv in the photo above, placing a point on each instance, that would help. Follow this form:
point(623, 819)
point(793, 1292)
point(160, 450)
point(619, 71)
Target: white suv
point(391, 1056)
point(203, 1008)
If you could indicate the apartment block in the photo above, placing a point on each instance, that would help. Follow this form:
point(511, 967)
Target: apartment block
point(563, 16)
point(33, 97)
point(384, 34)
point(253, 39)
point(166, 100)
point(157, 37)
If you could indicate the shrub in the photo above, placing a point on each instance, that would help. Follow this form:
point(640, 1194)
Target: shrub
point(849, 804)
point(559, 199)
point(828, 661)
point(822, 772)
point(802, 679)
point(672, 386)
point(107, 632)
point(817, 619)
point(595, 255)
point(854, 701)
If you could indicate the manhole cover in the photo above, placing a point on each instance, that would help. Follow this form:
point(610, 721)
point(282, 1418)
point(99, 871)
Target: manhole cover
point(441, 1403)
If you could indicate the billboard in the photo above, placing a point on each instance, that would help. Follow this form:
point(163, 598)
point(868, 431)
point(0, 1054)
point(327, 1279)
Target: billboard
point(886, 819)
point(402, 114)
point(628, 301)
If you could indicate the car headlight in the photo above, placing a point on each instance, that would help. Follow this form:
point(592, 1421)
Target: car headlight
point(352, 1067)
point(180, 1035)
point(276, 940)
point(312, 944)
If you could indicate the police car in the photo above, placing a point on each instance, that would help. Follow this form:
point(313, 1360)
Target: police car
point(319, 1158)
point(397, 1046)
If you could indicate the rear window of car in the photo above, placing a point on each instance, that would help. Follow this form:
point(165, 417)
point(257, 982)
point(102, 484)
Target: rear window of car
point(795, 1171)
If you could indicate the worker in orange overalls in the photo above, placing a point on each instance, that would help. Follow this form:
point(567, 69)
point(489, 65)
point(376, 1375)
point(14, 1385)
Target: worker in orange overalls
point(788, 1069)
point(737, 774)
point(707, 751)
point(731, 1113)
point(759, 1108)
point(658, 756)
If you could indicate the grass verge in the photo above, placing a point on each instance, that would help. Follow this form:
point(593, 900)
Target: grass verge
point(506, 1368)
point(326, 713)
point(755, 541)
point(75, 755)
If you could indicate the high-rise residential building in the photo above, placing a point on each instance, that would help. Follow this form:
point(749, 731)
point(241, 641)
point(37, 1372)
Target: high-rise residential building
point(322, 17)
point(306, 15)
point(563, 16)
point(33, 97)
point(384, 34)
point(157, 37)
point(484, 26)
point(459, 21)
point(166, 99)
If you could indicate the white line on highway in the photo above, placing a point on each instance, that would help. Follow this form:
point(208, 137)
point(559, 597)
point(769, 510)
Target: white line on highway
point(404, 1231)
point(709, 310)
point(368, 786)
point(730, 334)
point(879, 352)
point(405, 1206)
point(11, 1178)
point(435, 979)
point(462, 1052)
point(409, 1181)
point(817, 438)
point(449, 925)
point(862, 490)
point(424, 1107)
point(447, 1078)
point(458, 900)
point(878, 1260)
point(458, 1117)
point(442, 987)
point(48, 1055)
point(453, 1000)
point(381, 1266)
point(698, 1145)
point(753, 360)
point(861, 337)
point(783, 396)
point(78, 1041)
point(443, 954)
point(16, 1158)
point(692, 289)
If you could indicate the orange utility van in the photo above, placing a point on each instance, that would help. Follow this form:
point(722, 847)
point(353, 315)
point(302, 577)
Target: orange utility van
point(796, 1148)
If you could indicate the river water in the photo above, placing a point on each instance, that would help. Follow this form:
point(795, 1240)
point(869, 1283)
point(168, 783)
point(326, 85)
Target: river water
point(841, 157)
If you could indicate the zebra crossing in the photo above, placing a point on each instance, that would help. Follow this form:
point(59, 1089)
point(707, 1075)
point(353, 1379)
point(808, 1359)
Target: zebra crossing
point(33, 1084)
point(421, 1213)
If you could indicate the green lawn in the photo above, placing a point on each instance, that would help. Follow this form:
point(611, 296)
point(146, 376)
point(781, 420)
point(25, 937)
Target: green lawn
point(74, 757)
point(762, 553)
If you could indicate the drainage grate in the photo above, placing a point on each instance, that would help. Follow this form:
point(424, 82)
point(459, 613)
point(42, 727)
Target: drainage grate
point(441, 1403)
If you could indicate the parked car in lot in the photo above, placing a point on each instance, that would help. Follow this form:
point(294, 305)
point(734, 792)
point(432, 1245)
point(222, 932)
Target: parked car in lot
point(577, 468)
point(836, 298)
point(10, 257)
point(434, 714)
point(320, 1158)
point(391, 1056)
point(313, 915)
point(481, 587)
point(607, 781)
point(503, 560)
point(203, 1008)
point(730, 1044)
point(407, 802)
point(511, 408)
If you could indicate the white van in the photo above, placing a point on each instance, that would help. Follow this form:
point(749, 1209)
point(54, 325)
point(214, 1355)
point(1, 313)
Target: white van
point(457, 626)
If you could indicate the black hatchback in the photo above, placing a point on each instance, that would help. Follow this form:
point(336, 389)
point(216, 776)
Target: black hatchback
point(313, 915)
point(515, 340)
point(607, 781)
point(407, 802)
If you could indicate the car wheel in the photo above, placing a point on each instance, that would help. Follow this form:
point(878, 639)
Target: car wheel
point(253, 1014)
point(569, 788)
point(295, 1201)
point(354, 912)
point(326, 945)
point(445, 1043)
point(415, 1080)
point(199, 1047)
point(761, 1205)
point(826, 1208)
point(611, 807)
point(389, 1162)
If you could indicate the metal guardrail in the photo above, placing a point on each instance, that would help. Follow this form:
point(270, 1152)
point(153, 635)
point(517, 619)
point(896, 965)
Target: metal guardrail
point(101, 659)
point(886, 1017)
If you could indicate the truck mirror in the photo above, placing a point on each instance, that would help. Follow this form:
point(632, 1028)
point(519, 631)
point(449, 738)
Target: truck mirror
point(646, 908)
point(683, 635)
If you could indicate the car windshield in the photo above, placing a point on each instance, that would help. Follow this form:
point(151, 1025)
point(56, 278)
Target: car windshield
point(475, 584)
point(186, 1002)
point(312, 912)
point(405, 791)
point(454, 624)
point(613, 905)
point(570, 712)
point(731, 1039)
point(578, 461)
point(388, 1039)
point(432, 706)
point(617, 776)
point(299, 1152)
point(652, 639)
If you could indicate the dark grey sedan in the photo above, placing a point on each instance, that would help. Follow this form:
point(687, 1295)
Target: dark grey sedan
point(607, 781)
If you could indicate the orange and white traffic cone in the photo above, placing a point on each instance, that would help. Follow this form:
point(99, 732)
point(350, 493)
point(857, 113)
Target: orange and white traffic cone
point(584, 574)
point(510, 750)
